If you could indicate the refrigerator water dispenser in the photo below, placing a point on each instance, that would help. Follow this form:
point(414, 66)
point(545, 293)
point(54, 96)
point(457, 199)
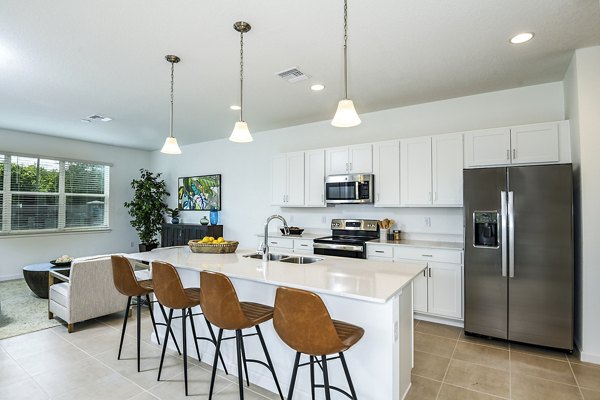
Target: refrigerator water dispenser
point(485, 229)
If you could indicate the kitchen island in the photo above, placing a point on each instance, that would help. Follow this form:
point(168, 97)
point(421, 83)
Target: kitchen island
point(374, 295)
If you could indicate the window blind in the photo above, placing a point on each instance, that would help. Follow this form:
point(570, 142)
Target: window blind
point(42, 194)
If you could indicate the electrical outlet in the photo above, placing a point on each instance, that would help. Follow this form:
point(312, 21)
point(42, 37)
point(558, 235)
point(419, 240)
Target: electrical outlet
point(428, 221)
point(130, 244)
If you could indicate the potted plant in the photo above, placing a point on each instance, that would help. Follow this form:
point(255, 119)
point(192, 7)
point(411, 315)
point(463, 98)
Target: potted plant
point(147, 207)
point(174, 214)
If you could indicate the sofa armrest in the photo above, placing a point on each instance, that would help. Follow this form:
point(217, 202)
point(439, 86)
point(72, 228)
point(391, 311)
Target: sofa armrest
point(61, 274)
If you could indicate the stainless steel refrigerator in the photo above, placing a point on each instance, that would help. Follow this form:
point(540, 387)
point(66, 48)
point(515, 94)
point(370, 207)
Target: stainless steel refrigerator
point(519, 254)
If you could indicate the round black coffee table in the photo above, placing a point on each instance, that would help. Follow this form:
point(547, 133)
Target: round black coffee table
point(36, 276)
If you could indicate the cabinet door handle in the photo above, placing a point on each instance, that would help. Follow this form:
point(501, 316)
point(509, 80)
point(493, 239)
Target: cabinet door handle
point(377, 196)
point(350, 167)
point(347, 167)
point(429, 272)
point(429, 196)
point(322, 198)
point(507, 154)
point(425, 272)
point(514, 154)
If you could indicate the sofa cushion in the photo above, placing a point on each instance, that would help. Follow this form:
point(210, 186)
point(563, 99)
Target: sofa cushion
point(59, 293)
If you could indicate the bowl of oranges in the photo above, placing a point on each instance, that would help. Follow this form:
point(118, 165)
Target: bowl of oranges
point(209, 244)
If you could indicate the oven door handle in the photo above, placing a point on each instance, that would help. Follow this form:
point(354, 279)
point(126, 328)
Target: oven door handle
point(330, 246)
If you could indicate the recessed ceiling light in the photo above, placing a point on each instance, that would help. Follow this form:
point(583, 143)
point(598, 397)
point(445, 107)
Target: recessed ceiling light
point(317, 87)
point(522, 38)
point(235, 108)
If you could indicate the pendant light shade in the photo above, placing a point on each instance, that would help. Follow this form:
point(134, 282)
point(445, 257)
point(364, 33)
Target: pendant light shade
point(241, 133)
point(346, 115)
point(171, 146)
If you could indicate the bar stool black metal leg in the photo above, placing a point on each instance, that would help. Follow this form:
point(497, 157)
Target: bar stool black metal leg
point(244, 359)
point(194, 333)
point(268, 357)
point(124, 326)
point(347, 372)
point(294, 372)
point(215, 361)
point(139, 329)
point(152, 318)
point(238, 347)
point(326, 378)
point(312, 377)
point(183, 328)
point(212, 335)
point(164, 349)
point(169, 329)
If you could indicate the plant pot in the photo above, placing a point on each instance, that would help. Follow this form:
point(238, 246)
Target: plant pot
point(175, 220)
point(143, 247)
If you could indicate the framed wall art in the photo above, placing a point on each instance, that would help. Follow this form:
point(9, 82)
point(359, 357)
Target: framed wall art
point(199, 193)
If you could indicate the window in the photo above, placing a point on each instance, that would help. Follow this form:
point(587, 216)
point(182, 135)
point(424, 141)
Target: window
point(48, 195)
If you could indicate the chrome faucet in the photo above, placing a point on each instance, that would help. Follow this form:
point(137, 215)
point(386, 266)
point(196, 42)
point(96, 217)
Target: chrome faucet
point(286, 231)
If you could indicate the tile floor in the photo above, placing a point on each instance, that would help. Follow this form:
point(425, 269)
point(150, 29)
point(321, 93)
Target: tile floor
point(52, 364)
point(450, 365)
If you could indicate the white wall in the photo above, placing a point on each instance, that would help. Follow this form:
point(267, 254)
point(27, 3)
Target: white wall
point(19, 251)
point(582, 103)
point(245, 168)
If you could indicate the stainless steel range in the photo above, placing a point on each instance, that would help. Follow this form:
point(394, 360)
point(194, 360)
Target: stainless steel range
point(348, 239)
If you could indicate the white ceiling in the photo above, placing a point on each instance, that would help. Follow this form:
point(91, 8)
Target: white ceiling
point(65, 60)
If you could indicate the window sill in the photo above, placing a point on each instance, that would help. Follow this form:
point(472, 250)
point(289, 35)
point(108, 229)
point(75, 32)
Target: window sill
point(25, 234)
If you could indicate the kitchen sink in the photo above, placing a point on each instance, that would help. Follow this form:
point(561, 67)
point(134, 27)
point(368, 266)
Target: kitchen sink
point(272, 257)
point(300, 260)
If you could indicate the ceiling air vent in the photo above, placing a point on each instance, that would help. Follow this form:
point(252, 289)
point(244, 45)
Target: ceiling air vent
point(292, 75)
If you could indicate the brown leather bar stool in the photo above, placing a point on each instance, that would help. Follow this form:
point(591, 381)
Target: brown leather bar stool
point(221, 307)
point(171, 293)
point(302, 321)
point(127, 284)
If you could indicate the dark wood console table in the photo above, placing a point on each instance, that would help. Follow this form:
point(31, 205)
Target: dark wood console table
point(180, 234)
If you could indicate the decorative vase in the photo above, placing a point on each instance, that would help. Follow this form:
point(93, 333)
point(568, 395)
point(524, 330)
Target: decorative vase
point(204, 220)
point(214, 217)
point(175, 220)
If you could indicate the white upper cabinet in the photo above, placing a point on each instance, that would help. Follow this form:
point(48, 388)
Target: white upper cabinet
point(447, 169)
point(386, 167)
point(527, 144)
point(415, 171)
point(431, 171)
point(314, 178)
point(287, 179)
point(356, 159)
point(534, 143)
point(487, 147)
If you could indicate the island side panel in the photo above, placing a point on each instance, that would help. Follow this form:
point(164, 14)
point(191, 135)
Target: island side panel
point(379, 363)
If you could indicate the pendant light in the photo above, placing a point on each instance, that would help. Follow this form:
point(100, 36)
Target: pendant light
point(346, 115)
point(171, 146)
point(240, 133)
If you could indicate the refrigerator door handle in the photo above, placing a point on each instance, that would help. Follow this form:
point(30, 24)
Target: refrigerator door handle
point(511, 235)
point(503, 245)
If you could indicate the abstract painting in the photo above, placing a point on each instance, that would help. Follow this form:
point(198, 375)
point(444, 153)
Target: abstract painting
point(199, 193)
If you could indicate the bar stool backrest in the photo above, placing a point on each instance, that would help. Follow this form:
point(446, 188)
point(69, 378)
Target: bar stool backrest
point(302, 321)
point(124, 277)
point(220, 302)
point(167, 286)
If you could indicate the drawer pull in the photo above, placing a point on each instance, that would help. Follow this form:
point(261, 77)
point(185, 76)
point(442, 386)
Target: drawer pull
point(274, 242)
point(304, 245)
point(379, 251)
point(426, 255)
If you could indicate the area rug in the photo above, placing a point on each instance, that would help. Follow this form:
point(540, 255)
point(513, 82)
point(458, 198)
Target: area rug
point(21, 311)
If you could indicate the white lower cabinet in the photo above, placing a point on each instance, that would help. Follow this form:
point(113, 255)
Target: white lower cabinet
point(287, 245)
point(438, 291)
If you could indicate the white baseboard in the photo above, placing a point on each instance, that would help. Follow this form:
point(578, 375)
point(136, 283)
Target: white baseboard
point(439, 320)
point(10, 277)
point(589, 357)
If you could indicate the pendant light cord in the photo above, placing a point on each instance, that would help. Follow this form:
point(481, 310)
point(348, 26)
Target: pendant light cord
point(346, 48)
point(241, 76)
point(172, 79)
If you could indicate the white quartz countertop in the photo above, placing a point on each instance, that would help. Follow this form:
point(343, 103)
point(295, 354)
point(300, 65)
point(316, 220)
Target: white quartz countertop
point(304, 235)
point(420, 243)
point(366, 280)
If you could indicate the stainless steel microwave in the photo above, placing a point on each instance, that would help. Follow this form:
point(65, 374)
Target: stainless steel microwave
point(349, 189)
